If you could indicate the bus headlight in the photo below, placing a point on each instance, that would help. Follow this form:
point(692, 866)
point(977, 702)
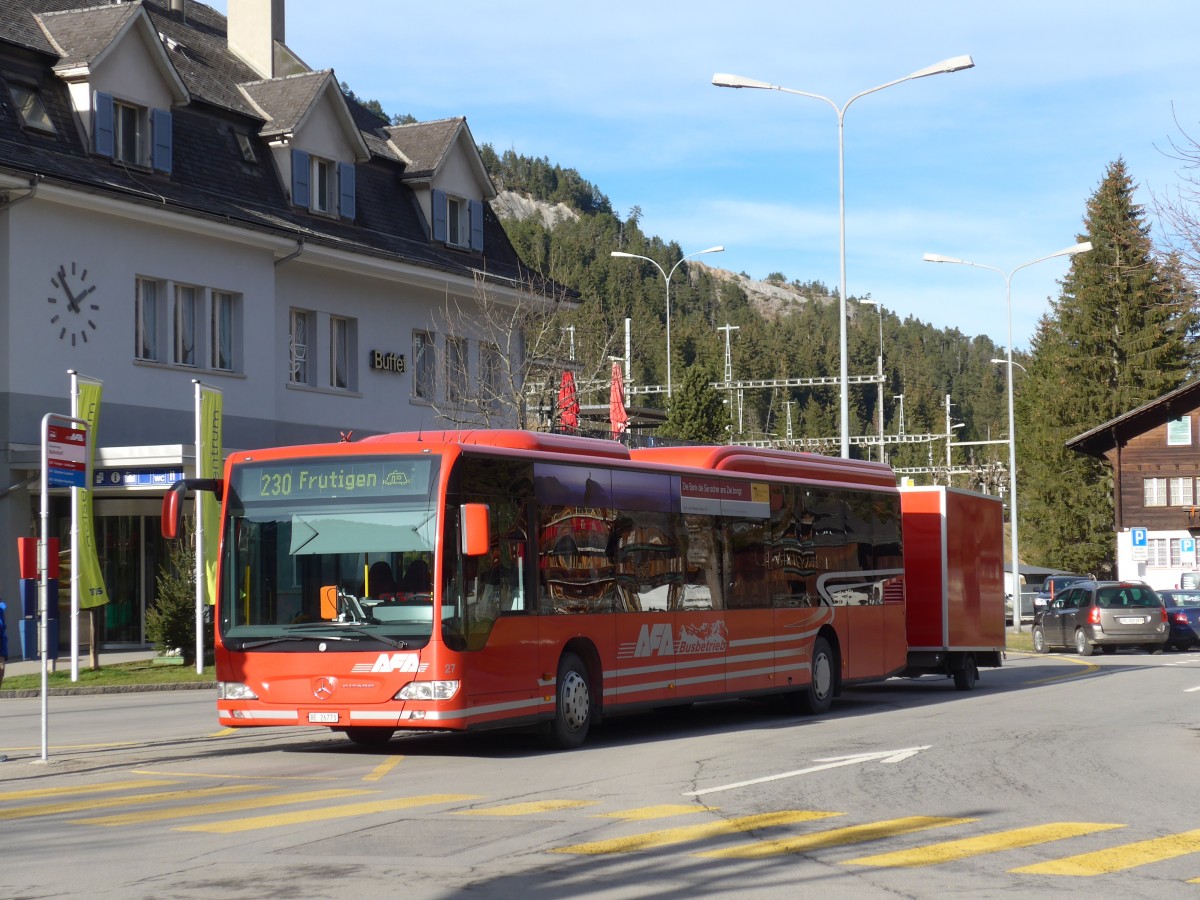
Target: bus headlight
point(234, 690)
point(428, 690)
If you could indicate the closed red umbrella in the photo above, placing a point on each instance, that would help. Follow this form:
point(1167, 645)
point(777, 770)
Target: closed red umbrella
point(568, 402)
point(616, 403)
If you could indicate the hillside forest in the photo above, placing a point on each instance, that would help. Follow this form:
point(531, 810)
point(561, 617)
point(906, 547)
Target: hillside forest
point(1121, 333)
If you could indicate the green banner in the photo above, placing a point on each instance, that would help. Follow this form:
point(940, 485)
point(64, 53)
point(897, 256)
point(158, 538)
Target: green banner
point(208, 465)
point(92, 592)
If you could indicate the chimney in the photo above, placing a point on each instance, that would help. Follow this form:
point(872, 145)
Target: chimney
point(254, 26)
point(178, 10)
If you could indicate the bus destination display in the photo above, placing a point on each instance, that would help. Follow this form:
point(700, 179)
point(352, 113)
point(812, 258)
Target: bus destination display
point(329, 479)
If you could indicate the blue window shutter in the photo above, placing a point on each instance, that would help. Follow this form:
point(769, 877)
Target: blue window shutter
point(346, 190)
point(476, 224)
point(102, 124)
point(160, 128)
point(300, 178)
point(439, 215)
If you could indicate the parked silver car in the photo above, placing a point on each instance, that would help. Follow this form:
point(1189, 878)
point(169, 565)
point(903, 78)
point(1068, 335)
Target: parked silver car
point(1104, 614)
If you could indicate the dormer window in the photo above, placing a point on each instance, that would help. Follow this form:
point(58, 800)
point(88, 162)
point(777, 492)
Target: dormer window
point(132, 134)
point(456, 221)
point(30, 107)
point(129, 133)
point(323, 180)
point(323, 186)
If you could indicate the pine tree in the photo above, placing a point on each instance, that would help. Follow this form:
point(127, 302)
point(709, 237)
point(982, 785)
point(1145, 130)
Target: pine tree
point(1116, 337)
point(697, 413)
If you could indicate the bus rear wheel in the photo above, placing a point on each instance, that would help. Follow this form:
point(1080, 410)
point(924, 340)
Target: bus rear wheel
point(572, 705)
point(370, 737)
point(818, 696)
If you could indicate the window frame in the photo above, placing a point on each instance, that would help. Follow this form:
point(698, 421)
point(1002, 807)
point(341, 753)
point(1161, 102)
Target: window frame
point(223, 350)
point(343, 333)
point(31, 111)
point(458, 373)
point(1154, 492)
point(299, 368)
point(147, 346)
point(322, 182)
point(424, 383)
point(185, 310)
point(1179, 432)
point(140, 115)
point(1176, 493)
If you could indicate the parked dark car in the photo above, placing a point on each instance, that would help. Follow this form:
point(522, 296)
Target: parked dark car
point(1052, 585)
point(1183, 615)
point(1105, 614)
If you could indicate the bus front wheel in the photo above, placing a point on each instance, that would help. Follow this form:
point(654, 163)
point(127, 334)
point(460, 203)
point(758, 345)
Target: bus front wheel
point(573, 704)
point(818, 696)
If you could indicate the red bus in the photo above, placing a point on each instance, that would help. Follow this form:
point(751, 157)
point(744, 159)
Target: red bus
point(481, 579)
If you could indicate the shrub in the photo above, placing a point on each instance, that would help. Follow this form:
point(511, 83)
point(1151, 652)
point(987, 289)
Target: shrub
point(171, 622)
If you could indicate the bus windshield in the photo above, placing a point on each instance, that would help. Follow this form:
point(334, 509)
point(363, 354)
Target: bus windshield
point(330, 550)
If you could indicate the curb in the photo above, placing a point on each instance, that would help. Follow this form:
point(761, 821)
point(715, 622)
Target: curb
point(108, 689)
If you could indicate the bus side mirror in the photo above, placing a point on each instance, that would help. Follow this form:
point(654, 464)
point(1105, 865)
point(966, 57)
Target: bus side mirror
point(172, 506)
point(475, 535)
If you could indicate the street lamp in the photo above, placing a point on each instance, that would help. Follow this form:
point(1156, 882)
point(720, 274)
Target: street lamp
point(737, 81)
point(879, 401)
point(1081, 247)
point(667, 278)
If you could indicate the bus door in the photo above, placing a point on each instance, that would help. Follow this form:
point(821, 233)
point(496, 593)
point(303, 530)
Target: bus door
point(702, 641)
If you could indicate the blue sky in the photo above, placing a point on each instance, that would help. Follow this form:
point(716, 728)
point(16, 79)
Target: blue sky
point(993, 164)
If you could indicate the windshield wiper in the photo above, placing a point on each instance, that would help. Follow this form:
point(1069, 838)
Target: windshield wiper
point(391, 642)
point(250, 645)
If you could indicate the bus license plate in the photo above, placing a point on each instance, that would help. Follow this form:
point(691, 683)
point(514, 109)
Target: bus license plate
point(323, 717)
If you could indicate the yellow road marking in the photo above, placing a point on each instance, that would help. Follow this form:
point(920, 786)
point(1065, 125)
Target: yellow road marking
point(949, 851)
point(1090, 667)
point(656, 812)
point(526, 809)
point(383, 768)
point(204, 809)
point(836, 838)
point(224, 732)
point(255, 823)
point(1118, 859)
point(85, 789)
point(50, 809)
point(225, 776)
point(694, 832)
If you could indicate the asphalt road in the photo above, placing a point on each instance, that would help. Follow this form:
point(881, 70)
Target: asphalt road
point(1058, 776)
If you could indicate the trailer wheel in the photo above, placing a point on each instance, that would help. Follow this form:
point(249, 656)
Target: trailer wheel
point(370, 737)
point(967, 677)
point(573, 704)
point(817, 697)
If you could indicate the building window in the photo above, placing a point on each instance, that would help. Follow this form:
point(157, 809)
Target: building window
point(489, 375)
point(30, 107)
point(1154, 492)
point(341, 353)
point(457, 373)
point(323, 183)
point(423, 366)
point(184, 326)
point(1157, 552)
point(129, 133)
point(458, 222)
point(1179, 432)
point(298, 332)
point(221, 338)
point(146, 316)
point(1181, 492)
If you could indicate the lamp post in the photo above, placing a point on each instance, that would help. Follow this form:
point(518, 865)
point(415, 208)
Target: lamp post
point(667, 278)
point(737, 81)
point(1081, 247)
point(879, 397)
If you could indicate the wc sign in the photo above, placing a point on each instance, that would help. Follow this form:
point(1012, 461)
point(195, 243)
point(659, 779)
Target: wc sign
point(1137, 540)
